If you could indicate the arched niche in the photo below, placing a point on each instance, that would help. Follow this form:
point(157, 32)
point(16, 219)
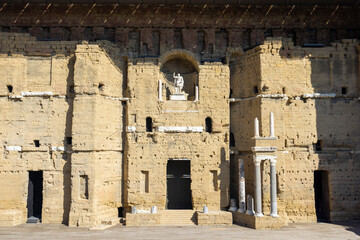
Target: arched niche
point(182, 62)
point(179, 149)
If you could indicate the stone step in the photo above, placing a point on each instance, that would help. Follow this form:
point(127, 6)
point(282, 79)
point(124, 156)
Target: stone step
point(110, 222)
point(178, 217)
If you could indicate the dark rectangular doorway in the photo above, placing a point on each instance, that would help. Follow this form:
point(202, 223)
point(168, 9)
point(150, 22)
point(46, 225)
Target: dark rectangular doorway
point(178, 184)
point(35, 197)
point(322, 197)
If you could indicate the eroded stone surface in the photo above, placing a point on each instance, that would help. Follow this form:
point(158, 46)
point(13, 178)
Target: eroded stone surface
point(91, 117)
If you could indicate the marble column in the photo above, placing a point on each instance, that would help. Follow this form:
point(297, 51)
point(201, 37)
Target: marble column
point(250, 205)
point(242, 196)
point(272, 128)
point(196, 93)
point(160, 91)
point(233, 207)
point(273, 188)
point(241, 186)
point(256, 128)
point(258, 199)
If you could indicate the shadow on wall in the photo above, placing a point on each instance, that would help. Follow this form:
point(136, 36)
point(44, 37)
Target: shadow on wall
point(337, 125)
point(329, 128)
point(68, 135)
point(224, 180)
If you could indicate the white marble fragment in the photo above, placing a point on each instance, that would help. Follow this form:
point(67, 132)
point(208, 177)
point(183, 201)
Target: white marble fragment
point(180, 129)
point(205, 209)
point(178, 97)
point(153, 209)
point(117, 98)
point(36, 94)
point(142, 211)
point(60, 149)
point(264, 149)
point(319, 95)
point(130, 129)
point(13, 148)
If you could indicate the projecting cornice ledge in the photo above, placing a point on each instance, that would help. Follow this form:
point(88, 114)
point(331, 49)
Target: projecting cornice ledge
point(193, 2)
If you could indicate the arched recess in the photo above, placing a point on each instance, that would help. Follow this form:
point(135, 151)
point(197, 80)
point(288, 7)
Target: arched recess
point(232, 140)
point(149, 124)
point(221, 41)
point(183, 62)
point(156, 43)
point(179, 149)
point(208, 125)
point(200, 45)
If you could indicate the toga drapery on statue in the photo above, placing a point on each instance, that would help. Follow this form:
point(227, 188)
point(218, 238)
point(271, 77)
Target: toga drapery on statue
point(178, 82)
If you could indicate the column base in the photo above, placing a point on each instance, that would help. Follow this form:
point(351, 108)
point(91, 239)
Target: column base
point(274, 215)
point(241, 210)
point(259, 215)
point(249, 212)
point(232, 209)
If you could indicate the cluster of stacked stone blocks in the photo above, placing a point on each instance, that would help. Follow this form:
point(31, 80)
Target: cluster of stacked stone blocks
point(96, 118)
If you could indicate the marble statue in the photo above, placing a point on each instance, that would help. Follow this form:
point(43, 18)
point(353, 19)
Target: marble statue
point(178, 82)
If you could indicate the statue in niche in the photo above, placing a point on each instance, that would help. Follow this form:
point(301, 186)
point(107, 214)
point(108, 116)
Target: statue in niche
point(178, 82)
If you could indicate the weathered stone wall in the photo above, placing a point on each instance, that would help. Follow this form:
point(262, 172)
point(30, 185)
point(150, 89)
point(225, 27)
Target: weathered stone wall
point(245, 78)
point(87, 106)
point(290, 77)
point(25, 118)
point(265, 222)
point(97, 130)
point(150, 151)
point(214, 219)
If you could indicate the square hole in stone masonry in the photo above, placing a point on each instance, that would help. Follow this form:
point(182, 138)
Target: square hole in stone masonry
point(37, 143)
point(343, 90)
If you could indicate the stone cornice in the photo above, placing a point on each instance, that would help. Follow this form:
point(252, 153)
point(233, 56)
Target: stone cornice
point(190, 2)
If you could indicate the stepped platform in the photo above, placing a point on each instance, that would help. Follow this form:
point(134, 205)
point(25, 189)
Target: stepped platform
point(179, 218)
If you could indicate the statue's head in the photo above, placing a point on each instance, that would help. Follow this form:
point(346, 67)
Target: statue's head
point(178, 74)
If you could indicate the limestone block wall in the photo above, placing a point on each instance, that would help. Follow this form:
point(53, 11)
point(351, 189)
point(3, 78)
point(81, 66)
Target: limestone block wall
point(78, 111)
point(313, 94)
point(97, 137)
point(27, 119)
point(316, 125)
point(149, 151)
point(245, 78)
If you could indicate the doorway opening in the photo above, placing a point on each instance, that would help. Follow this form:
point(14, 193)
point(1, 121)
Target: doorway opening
point(322, 196)
point(178, 184)
point(35, 197)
